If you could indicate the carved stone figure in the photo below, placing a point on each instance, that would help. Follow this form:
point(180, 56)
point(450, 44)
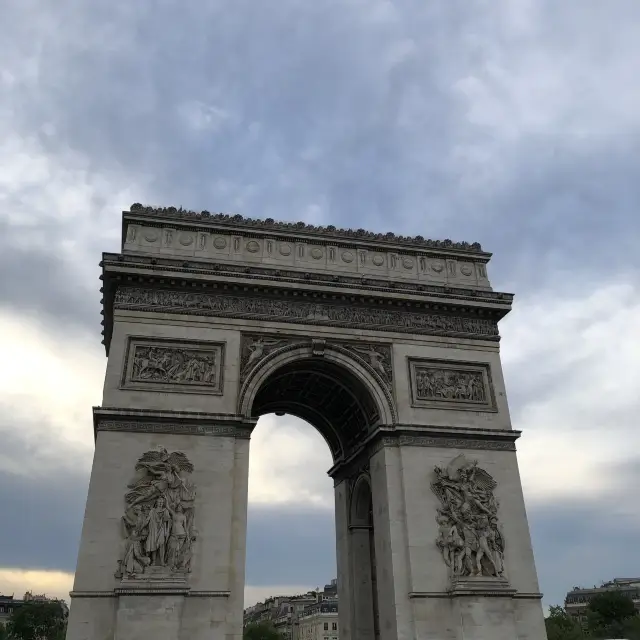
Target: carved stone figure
point(469, 537)
point(173, 365)
point(254, 349)
point(159, 515)
point(376, 359)
point(450, 384)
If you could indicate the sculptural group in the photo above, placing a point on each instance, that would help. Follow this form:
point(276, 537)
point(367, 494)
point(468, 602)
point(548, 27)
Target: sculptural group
point(469, 536)
point(158, 524)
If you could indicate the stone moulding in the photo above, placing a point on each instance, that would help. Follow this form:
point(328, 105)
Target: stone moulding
point(173, 366)
point(496, 592)
point(119, 591)
point(160, 264)
point(170, 422)
point(446, 384)
point(425, 436)
point(257, 350)
point(173, 213)
point(285, 344)
point(310, 313)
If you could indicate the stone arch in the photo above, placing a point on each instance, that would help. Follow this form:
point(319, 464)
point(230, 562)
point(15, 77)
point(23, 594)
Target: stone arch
point(293, 379)
point(360, 505)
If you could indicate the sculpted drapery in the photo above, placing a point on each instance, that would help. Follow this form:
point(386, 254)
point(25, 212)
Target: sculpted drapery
point(469, 536)
point(158, 523)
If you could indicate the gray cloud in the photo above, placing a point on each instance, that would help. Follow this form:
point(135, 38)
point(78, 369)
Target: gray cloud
point(44, 282)
point(43, 511)
point(512, 123)
point(581, 545)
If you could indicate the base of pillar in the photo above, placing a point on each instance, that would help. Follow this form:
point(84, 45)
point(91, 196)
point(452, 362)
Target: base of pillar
point(481, 586)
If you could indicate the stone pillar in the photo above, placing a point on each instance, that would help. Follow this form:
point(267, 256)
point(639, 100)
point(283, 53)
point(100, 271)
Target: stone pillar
point(354, 554)
point(393, 567)
point(345, 578)
point(205, 604)
point(360, 564)
point(419, 597)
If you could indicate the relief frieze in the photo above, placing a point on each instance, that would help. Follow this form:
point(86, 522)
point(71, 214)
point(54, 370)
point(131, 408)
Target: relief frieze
point(443, 384)
point(158, 523)
point(174, 365)
point(470, 537)
point(352, 316)
point(255, 348)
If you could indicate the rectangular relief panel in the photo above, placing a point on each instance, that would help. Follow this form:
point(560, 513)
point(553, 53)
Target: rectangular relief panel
point(442, 384)
point(179, 366)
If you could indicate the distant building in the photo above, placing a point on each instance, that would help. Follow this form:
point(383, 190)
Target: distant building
point(8, 604)
point(577, 600)
point(319, 621)
point(287, 612)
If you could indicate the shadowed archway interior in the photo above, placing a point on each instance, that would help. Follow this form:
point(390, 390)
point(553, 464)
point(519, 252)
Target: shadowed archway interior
point(324, 394)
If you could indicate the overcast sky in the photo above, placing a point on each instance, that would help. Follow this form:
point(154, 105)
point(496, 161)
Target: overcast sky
point(515, 123)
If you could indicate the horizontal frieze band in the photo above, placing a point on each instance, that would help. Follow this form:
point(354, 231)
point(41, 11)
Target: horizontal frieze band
point(172, 422)
point(295, 311)
point(238, 222)
point(445, 442)
point(173, 428)
point(403, 435)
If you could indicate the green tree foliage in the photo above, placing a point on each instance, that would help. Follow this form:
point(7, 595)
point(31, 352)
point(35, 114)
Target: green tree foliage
point(261, 631)
point(37, 621)
point(561, 626)
point(611, 614)
point(3, 632)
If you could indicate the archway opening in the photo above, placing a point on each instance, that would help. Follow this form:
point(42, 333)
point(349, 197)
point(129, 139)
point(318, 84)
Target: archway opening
point(291, 550)
point(325, 394)
point(303, 392)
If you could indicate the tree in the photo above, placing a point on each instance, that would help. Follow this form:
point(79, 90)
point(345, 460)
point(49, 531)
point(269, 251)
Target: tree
point(3, 632)
point(261, 631)
point(561, 626)
point(37, 621)
point(611, 614)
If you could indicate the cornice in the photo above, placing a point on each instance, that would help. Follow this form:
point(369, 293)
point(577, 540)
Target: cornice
point(158, 265)
point(171, 422)
point(434, 436)
point(303, 229)
point(119, 270)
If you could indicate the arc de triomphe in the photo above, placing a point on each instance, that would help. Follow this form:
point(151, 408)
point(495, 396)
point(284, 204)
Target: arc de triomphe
point(387, 345)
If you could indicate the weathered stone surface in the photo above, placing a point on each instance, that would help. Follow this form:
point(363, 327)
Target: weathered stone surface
point(212, 321)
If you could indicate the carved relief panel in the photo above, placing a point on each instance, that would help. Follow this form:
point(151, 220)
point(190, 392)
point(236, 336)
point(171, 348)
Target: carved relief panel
point(158, 525)
point(182, 366)
point(442, 384)
point(469, 535)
